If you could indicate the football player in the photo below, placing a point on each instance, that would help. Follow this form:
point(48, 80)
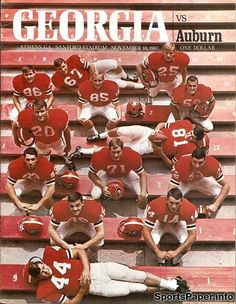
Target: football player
point(31, 172)
point(195, 101)
point(47, 126)
point(66, 274)
point(98, 97)
point(77, 214)
point(31, 86)
point(165, 65)
point(203, 173)
point(170, 214)
point(121, 163)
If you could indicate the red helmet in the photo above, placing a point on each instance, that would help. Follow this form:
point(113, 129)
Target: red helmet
point(132, 226)
point(135, 109)
point(25, 137)
point(201, 108)
point(150, 77)
point(69, 179)
point(31, 224)
point(116, 188)
point(202, 212)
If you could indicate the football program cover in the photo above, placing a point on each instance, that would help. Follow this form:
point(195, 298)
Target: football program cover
point(160, 77)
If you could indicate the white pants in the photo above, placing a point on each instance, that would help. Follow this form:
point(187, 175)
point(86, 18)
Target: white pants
point(165, 86)
point(23, 186)
point(89, 111)
point(45, 149)
point(131, 181)
point(68, 228)
point(206, 185)
point(139, 138)
point(115, 280)
point(106, 66)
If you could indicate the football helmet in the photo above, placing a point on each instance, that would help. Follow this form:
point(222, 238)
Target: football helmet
point(31, 224)
point(131, 226)
point(69, 179)
point(116, 188)
point(150, 77)
point(25, 137)
point(202, 212)
point(135, 109)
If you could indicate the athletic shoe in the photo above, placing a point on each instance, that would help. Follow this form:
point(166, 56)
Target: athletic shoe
point(94, 138)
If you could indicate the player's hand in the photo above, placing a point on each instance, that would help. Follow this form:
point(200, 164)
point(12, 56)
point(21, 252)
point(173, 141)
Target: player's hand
point(24, 207)
point(142, 197)
point(33, 207)
point(212, 207)
point(162, 255)
point(106, 192)
point(85, 278)
point(171, 254)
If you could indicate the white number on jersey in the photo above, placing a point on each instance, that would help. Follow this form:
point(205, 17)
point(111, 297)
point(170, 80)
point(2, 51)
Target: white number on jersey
point(179, 133)
point(43, 131)
point(32, 92)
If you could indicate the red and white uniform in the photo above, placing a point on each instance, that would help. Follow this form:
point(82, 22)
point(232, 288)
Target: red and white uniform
point(78, 71)
point(98, 101)
point(90, 217)
point(39, 88)
point(123, 169)
point(107, 279)
point(159, 218)
point(48, 133)
point(26, 180)
point(166, 71)
point(176, 145)
point(186, 178)
point(186, 102)
point(66, 273)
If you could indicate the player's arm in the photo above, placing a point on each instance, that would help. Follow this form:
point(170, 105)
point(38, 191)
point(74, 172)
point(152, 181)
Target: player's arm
point(175, 111)
point(45, 199)
point(77, 299)
point(96, 239)
point(211, 106)
point(222, 195)
point(14, 132)
point(151, 244)
point(91, 69)
point(50, 100)
point(159, 151)
point(98, 182)
point(67, 137)
point(184, 75)
point(80, 254)
point(159, 126)
point(16, 102)
point(139, 69)
point(118, 110)
point(14, 198)
point(55, 236)
point(143, 188)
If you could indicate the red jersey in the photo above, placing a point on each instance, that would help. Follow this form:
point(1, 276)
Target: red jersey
point(183, 170)
point(77, 72)
point(157, 210)
point(65, 279)
point(181, 97)
point(47, 131)
point(107, 94)
point(39, 88)
point(130, 160)
point(166, 71)
point(44, 171)
point(92, 212)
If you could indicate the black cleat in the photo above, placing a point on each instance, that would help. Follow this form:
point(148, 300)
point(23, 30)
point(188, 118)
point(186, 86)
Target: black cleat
point(133, 78)
point(77, 153)
point(94, 138)
point(182, 285)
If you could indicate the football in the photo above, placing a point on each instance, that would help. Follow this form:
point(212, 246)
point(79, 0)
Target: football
point(158, 137)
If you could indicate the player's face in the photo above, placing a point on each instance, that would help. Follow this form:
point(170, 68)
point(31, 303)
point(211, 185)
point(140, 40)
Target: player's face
point(98, 81)
point(63, 68)
point(190, 136)
point(76, 207)
point(29, 76)
point(168, 55)
point(116, 153)
point(173, 204)
point(30, 161)
point(192, 87)
point(45, 271)
point(41, 114)
point(197, 163)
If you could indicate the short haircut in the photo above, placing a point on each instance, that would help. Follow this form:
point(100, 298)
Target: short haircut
point(58, 62)
point(199, 153)
point(168, 46)
point(192, 78)
point(27, 68)
point(39, 104)
point(198, 133)
point(73, 197)
point(115, 143)
point(97, 74)
point(31, 151)
point(175, 193)
point(34, 269)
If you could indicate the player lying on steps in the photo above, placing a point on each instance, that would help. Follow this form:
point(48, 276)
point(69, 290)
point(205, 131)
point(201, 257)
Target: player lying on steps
point(64, 274)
